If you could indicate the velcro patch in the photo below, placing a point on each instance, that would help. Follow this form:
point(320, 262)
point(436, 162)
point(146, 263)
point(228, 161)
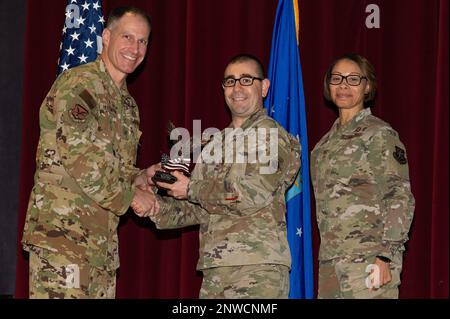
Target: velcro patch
point(50, 103)
point(128, 102)
point(87, 97)
point(399, 155)
point(79, 113)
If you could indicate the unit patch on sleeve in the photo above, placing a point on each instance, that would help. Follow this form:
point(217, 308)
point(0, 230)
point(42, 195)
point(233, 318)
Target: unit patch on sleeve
point(399, 155)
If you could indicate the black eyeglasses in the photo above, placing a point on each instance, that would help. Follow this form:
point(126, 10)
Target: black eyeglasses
point(352, 79)
point(244, 81)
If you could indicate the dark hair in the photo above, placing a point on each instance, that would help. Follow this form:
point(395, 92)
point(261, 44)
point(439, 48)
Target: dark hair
point(248, 57)
point(367, 70)
point(117, 13)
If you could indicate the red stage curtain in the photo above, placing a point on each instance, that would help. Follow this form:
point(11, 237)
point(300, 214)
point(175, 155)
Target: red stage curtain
point(180, 81)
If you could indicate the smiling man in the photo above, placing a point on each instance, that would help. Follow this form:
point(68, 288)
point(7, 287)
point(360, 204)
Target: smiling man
point(244, 88)
point(244, 251)
point(125, 40)
point(85, 168)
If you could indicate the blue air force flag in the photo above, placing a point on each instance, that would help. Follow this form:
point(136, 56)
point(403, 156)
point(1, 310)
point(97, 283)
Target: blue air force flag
point(82, 33)
point(286, 104)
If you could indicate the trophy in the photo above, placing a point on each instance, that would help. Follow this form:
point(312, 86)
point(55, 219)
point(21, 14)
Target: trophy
point(176, 164)
point(170, 165)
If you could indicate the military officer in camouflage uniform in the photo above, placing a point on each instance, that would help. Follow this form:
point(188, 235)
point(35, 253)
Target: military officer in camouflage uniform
point(241, 209)
point(364, 204)
point(85, 175)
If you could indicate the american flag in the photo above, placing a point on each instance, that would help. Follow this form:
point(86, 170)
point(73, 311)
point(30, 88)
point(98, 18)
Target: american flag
point(82, 33)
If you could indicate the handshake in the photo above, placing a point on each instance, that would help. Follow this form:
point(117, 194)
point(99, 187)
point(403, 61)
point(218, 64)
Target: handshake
point(171, 175)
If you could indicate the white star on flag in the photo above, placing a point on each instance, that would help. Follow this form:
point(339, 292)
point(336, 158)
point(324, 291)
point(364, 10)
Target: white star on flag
point(88, 43)
point(299, 232)
point(85, 6)
point(82, 58)
point(80, 20)
point(65, 66)
point(75, 36)
point(70, 50)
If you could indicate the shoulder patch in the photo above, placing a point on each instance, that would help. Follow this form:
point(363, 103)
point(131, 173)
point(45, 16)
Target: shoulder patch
point(79, 113)
point(50, 103)
point(128, 102)
point(87, 97)
point(399, 155)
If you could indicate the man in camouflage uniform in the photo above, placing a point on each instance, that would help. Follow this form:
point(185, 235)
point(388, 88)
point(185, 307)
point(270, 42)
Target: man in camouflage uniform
point(85, 175)
point(363, 196)
point(241, 209)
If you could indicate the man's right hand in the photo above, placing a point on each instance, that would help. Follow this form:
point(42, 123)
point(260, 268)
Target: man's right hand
point(145, 203)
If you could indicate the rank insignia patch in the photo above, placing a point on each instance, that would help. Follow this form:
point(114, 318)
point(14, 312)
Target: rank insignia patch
point(79, 113)
point(128, 102)
point(399, 155)
point(50, 103)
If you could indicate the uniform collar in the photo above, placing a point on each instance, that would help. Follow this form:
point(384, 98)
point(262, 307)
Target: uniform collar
point(253, 118)
point(102, 67)
point(354, 122)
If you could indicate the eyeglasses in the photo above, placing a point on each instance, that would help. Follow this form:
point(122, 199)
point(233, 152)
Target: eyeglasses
point(244, 81)
point(352, 79)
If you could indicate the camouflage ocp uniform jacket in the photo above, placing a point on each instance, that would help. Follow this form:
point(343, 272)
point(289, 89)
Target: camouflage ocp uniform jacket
point(364, 204)
point(241, 211)
point(84, 167)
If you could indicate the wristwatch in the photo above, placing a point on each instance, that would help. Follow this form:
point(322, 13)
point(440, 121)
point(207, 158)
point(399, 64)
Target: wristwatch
point(385, 259)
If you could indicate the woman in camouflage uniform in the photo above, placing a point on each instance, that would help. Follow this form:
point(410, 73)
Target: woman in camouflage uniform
point(361, 182)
